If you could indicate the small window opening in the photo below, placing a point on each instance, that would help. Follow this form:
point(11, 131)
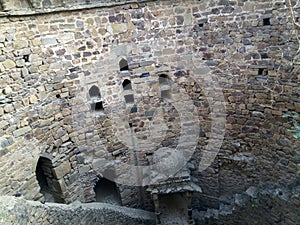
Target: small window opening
point(145, 75)
point(164, 80)
point(26, 58)
point(98, 106)
point(266, 22)
point(262, 71)
point(134, 109)
point(107, 191)
point(127, 85)
point(123, 65)
point(200, 25)
point(165, 86)
point(94, 92)
point(58, 96)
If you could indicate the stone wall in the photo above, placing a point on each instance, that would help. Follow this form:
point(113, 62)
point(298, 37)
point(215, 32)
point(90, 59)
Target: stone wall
point(19, 211)
point(50, 62)
point(31, 7)
point(254, 206)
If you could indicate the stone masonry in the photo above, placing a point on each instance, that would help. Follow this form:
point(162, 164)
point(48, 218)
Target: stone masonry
point(90, 85)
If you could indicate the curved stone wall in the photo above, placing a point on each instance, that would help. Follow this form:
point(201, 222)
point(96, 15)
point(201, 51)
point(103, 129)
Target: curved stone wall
point(19, 211)
point(50, 62)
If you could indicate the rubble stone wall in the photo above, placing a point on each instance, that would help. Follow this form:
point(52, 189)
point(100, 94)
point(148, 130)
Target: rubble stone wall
point(49, 62)
point(254, 206)
point(18, 211)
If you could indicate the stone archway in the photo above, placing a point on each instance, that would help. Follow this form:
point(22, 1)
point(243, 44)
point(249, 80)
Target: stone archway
point(107, 191)
point(50, 187)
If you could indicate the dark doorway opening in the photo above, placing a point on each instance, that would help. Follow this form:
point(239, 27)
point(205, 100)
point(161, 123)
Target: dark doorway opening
point(127, 85)
point(49, 185)
point(107, 191)
point(98, 106)
point(123, 65)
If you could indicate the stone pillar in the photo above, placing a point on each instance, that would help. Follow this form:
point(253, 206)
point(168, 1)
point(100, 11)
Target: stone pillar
point(156, 206)
point(189, 207)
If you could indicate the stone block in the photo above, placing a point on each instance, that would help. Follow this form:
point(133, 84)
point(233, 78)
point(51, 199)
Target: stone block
point(188, 19)
point(21, 131)
point(98, 163)
point(8, 108)
point(9, 64)
point(59, 185)
point(61, 170)
point(49, 41)
point(33, 99)
point(19, 44)
point(117, 28)
point(2, 38)
point(7, 143)
point(84, 169)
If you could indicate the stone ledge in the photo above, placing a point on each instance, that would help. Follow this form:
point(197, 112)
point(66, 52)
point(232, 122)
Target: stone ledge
point(20, 211)
point(29, 11)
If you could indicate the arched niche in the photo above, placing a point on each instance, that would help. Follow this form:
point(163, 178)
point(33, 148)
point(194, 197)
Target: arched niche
point(165, 83)
point(123, 64)
point(107, 191)
point(127, 85)
point(50, 187)
point(127, 91)
point(96, 102)
point(94, 92)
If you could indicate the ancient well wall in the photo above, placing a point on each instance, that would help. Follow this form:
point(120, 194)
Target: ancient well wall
point(53, 63)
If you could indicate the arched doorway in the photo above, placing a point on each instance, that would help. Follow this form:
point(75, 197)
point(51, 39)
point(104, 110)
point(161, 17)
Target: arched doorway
point(107, 191)
point(50, 186)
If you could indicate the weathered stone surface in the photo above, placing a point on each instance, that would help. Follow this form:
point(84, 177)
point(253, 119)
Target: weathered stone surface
point(17, 211)
point(22, 131)
point(49, 41)
point(19, 44)
point(62, 169)
point(49, 62)
point(117, 28)
point(9, 64)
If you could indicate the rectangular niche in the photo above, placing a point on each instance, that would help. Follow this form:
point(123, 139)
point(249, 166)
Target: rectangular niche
point(129, 98)
point(97, 106)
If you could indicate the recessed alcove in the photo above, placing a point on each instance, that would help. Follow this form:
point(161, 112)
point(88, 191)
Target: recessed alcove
point(126, 85)
point(94, 92)
point(49, 186)
point(266, 22)
point(95, 99)
point(107, 191)
point(165, 87)
point(127, 91)
point(129, 98)
point(123, 64)
point(97, 106)
point(173, 207)
point(262, 71)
